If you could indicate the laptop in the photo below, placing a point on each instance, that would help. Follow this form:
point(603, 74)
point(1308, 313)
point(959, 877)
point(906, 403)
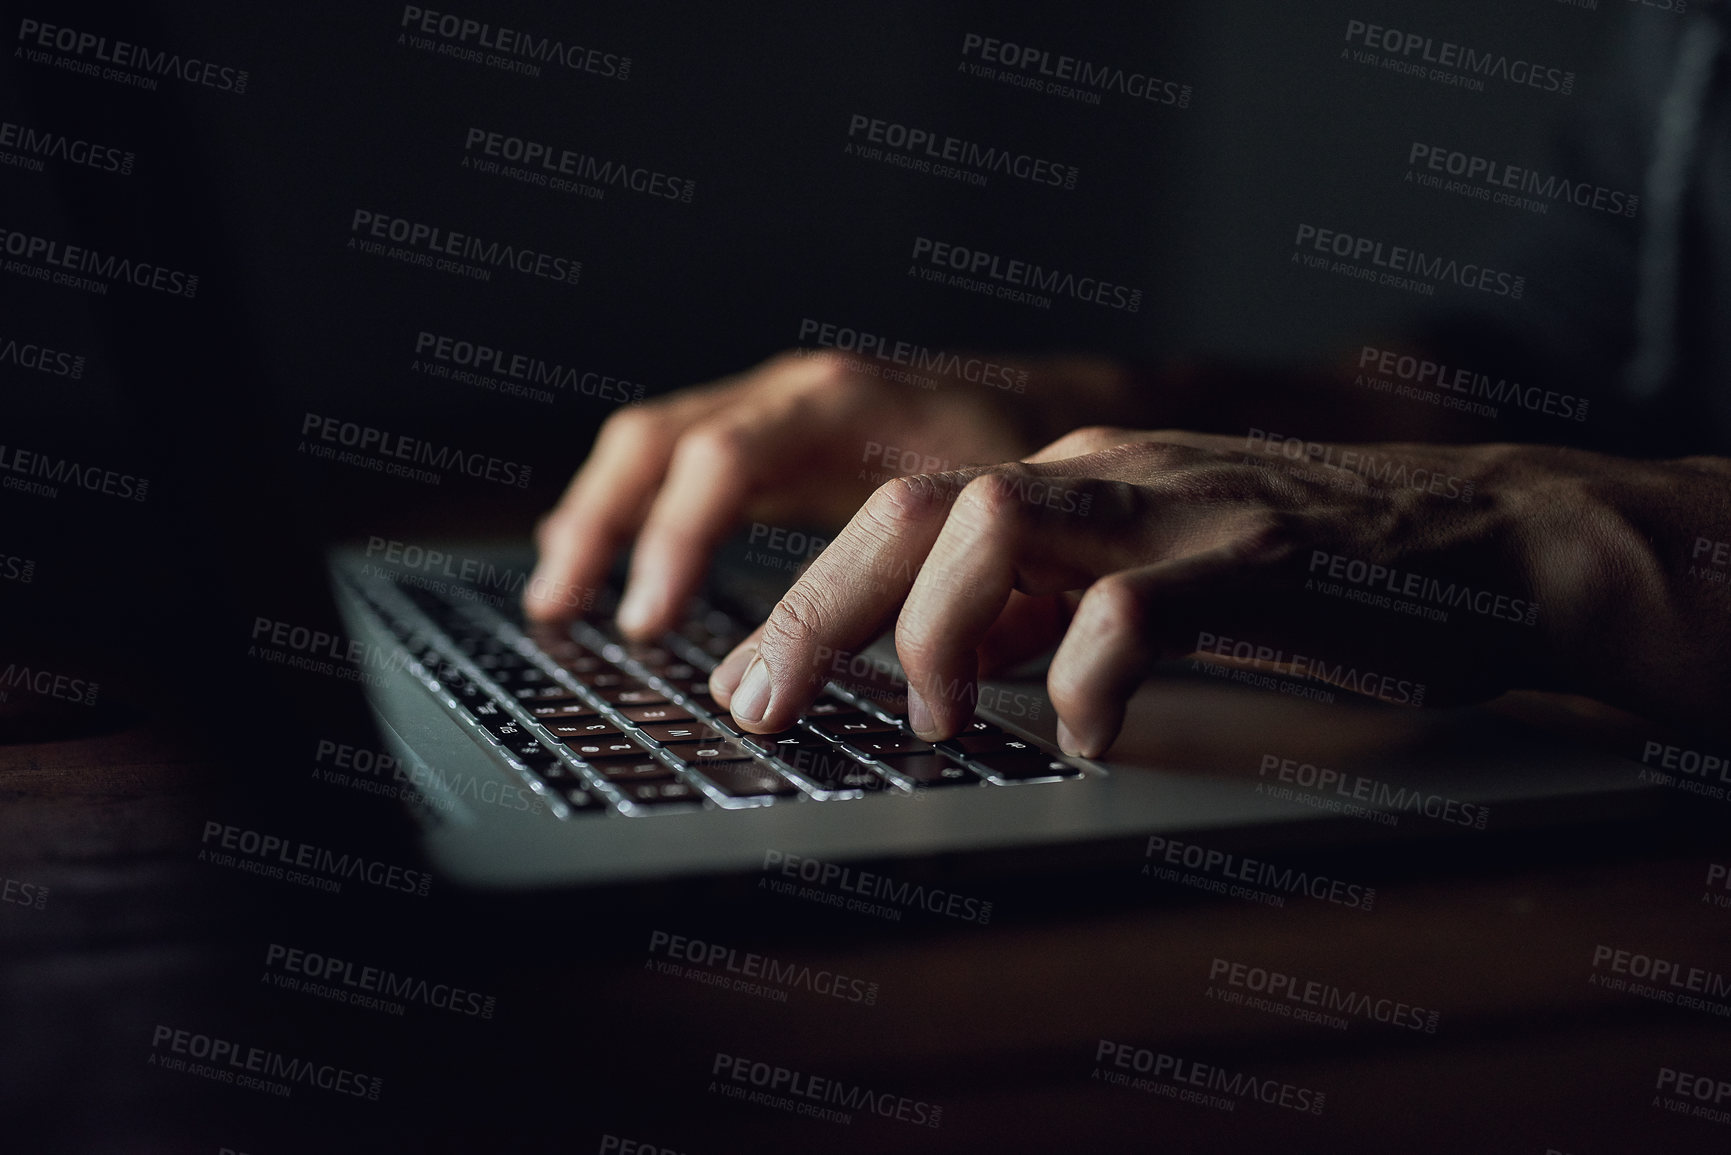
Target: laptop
point(554, 757)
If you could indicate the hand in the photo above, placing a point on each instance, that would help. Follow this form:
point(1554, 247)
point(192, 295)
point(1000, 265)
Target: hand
point(1125, 549)
point(789, 441)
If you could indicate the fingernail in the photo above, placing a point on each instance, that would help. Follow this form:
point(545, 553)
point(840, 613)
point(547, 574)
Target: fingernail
point(919, 714)
point(751, 701)
point(1067, 741)
point(633, 615)
point(724, 679)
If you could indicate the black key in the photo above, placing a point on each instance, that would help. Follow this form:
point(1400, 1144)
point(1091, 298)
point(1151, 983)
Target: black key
point(566, 711)
point(501, 660)
point(661, 793)
point(875, 746)
point(930, 770)
point(638, 695)
point(622, 770)
point(551, 692)
point(830, 770)
point(673, 671)
point(828, 707)
point(668, 713)
point(525, 675)
point(987, 744)
point(601, 748)
point(610, 679)
point(554, 771)
point(582, 729)
point(706, 703)
point(748, 780)
point(528, 747)
point(583, 800)
point(848, 725)
point(584, 664)
point(1025, 767)
point(643, 654)
point(700, 754)
point(664, 733)
point(786, 741)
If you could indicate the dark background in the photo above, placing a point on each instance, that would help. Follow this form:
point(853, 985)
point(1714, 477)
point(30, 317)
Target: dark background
point(254, 192)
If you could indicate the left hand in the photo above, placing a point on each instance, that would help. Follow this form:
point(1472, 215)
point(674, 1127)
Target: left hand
point(1127, 548)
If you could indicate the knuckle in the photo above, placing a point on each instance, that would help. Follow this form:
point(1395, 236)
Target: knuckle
point(797, 621)
point(715, 441)
point(995, 495)
point(904, 501)
point(1113, 608)
point(633, 423)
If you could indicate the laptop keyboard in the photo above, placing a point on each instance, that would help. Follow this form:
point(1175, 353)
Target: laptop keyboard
point(597, 725)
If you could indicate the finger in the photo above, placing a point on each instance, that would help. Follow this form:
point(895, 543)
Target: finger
point(707, 484)
point(724, 679)
point(1125, 623)
point(844, 600)
point(1013, 528)
point(601, 506)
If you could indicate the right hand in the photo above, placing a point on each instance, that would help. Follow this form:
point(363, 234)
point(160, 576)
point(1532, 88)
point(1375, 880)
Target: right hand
point(785, 442)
